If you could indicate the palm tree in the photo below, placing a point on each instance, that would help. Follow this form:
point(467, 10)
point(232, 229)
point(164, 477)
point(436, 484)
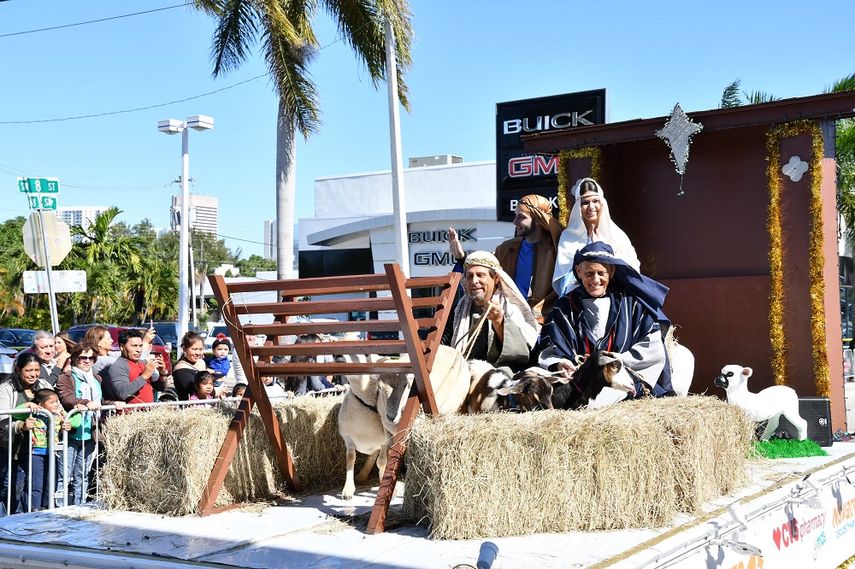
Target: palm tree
point(730, 97)
point(110, 259)
point(153, 291)
point(284, 28)
point(11, 299)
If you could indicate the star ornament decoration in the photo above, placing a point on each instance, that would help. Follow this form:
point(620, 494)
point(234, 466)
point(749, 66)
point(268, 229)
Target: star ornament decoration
point(677, 134)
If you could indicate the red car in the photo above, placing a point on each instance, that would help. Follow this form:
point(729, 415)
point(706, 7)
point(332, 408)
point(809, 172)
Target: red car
point(77, 333)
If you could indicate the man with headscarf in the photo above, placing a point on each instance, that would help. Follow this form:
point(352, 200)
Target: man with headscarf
point(617, 310)
point(490, 320)
point(589, 221)
point(529, 257)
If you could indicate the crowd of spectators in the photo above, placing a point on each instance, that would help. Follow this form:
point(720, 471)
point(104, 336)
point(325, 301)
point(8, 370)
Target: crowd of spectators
point(57, 376)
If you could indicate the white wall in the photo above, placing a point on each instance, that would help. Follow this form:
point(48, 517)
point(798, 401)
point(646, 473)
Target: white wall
point(431, 258)
point(465, 185)
point(310, 225)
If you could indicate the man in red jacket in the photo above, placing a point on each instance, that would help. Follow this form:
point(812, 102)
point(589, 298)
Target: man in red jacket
point(130, 379)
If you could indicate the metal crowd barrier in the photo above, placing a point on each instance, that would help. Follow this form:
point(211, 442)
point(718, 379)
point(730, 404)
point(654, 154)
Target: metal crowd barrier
point(58, 497)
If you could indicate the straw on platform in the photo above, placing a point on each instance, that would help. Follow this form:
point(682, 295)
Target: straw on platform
point(159, 461)
point(635, 464)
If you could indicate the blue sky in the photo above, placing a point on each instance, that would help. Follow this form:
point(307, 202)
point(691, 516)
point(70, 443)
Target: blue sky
point(468, 55)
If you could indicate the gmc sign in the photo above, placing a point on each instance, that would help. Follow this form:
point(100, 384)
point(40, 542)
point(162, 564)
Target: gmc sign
point(518, 174)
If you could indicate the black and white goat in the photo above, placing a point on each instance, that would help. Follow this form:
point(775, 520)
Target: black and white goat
point(537, 388)
point(599, 371)
point(494, 390)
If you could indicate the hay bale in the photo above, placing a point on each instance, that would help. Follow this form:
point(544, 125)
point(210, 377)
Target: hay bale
point(713, 440)
point(159, 461)
point(630, 465)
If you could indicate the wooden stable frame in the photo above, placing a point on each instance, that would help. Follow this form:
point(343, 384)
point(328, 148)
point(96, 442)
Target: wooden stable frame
point(420, 348)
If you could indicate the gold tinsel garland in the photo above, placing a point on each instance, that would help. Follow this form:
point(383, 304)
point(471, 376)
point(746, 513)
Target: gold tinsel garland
point(816, 258)
point(592, 152)
point(848, 564)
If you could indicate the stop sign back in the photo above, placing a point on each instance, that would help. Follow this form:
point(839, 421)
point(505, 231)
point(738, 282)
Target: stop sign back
point(57, 237)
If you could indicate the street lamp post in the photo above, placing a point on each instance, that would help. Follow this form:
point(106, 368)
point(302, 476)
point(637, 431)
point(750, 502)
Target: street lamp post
point(173, 126)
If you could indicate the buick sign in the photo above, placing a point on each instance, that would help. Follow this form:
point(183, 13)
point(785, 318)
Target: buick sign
point(518, 174)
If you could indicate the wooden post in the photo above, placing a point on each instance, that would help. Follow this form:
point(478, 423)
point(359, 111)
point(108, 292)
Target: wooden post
point(256, 394)
point(422, 364)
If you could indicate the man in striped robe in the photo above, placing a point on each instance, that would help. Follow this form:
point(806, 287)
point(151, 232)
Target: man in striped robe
point(617, 310)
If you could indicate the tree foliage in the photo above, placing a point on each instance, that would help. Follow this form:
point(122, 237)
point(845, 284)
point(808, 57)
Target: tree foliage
point(283, 32)
point(131, 274)
point(732, 96)
point(249, 267)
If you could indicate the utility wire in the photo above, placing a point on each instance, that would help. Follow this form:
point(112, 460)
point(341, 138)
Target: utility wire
point(136, 109)
point(158, 105)
point(12, 171)
point(239, 239)
point(23, 32)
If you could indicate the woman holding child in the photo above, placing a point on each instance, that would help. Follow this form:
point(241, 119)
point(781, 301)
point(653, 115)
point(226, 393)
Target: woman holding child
point(17, 390)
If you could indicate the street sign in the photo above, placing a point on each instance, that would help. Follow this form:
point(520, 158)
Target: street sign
point(63, 281)
point(57, 238)
point(38, 185)
point(41, 192)
point(47, 203)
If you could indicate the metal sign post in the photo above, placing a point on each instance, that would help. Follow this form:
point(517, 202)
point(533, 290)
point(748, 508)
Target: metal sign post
point(54, 317)
point(35, 188)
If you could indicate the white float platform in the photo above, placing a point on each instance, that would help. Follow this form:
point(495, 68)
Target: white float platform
point(325, 531)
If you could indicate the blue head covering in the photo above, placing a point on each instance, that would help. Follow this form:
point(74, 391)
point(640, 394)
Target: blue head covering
point(650, 293)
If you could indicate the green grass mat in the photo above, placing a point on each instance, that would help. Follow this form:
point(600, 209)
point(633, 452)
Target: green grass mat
point(781, 448)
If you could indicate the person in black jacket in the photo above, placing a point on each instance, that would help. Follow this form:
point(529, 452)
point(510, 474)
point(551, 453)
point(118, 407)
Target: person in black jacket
point(192, 360)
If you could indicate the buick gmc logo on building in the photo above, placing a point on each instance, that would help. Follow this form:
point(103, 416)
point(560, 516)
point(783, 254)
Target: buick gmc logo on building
point(547, 122)
point(525, 166)
point(516, 171)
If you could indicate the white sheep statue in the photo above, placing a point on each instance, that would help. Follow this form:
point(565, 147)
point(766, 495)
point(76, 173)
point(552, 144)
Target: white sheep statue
point(769, 404)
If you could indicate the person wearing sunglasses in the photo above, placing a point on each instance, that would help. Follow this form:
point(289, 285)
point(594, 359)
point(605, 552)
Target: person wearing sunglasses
point(80, 389)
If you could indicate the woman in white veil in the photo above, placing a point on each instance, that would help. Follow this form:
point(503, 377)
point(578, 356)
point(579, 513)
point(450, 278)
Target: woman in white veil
point(589, 221)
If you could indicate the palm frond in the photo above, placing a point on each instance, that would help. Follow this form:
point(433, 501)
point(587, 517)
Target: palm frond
point(757, 97)
point(362, 25)
point(845, 140)
point(845, 84)
point(846, 209)
point(235, 35)
point(212, 7)
point(300, 14)
point(297, 93)
point(730, 96)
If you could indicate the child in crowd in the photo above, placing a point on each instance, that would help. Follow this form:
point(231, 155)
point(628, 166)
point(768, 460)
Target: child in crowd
point(48, 400)
point(218, 362)
point(203, 384)
point(239, 390)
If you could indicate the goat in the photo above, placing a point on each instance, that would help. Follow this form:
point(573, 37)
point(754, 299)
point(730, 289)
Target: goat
point(599, 371)
point(769, 404)
point(360, 426)
point(493, 390)
point(369, 417)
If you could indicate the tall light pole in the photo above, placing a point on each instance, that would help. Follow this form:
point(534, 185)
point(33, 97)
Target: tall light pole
point(399, 202)
point(173, 126)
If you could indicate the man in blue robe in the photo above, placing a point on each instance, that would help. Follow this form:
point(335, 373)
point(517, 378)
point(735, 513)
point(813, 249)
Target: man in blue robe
point(616, 309)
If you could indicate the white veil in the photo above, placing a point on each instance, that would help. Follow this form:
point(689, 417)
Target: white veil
point(575, 236)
